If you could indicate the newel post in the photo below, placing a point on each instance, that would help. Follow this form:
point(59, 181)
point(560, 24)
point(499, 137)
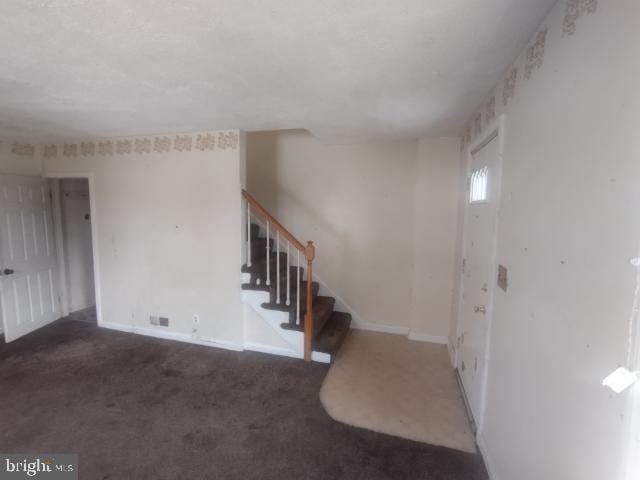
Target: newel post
point(309, 254)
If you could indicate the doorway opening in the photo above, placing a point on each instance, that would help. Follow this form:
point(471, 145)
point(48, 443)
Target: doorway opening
point(73, 231)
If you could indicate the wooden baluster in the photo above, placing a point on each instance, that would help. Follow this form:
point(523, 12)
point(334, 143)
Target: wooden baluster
point(310, 254)
point(298, 291)
point(277, 267)
point(288, 302)
point(268, 262)
point(248, 234)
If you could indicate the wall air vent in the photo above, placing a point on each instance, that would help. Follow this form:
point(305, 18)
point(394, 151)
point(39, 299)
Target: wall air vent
point(159, 321)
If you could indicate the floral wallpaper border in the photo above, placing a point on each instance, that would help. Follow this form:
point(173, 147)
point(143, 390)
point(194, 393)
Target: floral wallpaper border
point(126, 146)
point(146, 145)
point(535, 54)
point(524, 67)
point(574, 10)
point(23, 149)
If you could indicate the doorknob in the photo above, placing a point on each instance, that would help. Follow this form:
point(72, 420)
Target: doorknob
point(480, 309)
point(7, 271)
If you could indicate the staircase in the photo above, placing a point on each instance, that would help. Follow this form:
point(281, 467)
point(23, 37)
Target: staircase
point(274, 284)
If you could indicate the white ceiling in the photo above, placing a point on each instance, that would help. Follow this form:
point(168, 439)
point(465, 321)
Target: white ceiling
point(348, 70)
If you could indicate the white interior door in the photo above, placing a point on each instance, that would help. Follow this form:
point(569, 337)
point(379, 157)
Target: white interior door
point(28, 293)
point(479, 273)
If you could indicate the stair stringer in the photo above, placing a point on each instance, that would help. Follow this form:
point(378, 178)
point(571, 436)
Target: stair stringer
point(274, 318)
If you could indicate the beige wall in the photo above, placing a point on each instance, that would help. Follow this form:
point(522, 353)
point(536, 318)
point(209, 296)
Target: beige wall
point(436, 209)
point(568, 226)
point(169, 236)
point(358, 203)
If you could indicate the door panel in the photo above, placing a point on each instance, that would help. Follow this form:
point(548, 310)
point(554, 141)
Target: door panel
point(28, 296)
point(478, 279)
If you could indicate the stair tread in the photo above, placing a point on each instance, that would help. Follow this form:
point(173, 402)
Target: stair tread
point(333, 333)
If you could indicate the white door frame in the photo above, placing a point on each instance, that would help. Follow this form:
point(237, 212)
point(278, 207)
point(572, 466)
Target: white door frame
point(94, 233)
point(631, 459)
point(496, 129)
point(631, 455)
point(56, 212)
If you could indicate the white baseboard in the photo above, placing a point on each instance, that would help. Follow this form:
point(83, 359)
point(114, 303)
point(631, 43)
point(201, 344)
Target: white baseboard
point(488, 460)
point(169, 335)
point(425, 337)
point(379, 327)
point(283, 352)
point(452, 354)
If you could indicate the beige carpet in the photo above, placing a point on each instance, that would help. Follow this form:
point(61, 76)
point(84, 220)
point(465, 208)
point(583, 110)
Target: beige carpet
point(393, 385)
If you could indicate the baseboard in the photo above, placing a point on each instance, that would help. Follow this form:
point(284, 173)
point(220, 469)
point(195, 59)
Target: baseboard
point(379, 327)
point(452, 354)
point(425, 337)
point(486, 455)
point(169, 335)
point(283, 352)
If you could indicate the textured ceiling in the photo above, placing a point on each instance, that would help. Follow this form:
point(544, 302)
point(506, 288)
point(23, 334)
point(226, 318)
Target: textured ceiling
point(347, 70)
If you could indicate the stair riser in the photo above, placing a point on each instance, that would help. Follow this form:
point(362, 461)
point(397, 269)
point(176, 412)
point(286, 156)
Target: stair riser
point(259, 249)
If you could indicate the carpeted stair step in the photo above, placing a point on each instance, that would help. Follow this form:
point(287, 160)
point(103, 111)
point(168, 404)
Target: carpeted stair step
point(322, 309)
point(260, 264)
point(292, 287)
point(259, 279)
point(254, 230)
point(330, 328)
point(259, 248)
point(282, 306)
point(333, 334)
point(258, 270)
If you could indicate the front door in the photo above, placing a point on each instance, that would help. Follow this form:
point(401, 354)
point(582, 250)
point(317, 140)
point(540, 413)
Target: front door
point(28, 293)
point(479, 272)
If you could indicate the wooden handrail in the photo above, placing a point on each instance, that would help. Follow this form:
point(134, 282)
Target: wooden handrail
point(285, 233)
point(309, 252)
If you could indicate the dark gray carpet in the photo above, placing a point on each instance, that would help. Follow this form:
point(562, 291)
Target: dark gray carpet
point(140, 408)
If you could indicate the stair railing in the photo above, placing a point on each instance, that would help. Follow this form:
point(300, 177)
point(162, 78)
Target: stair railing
point(309, 252)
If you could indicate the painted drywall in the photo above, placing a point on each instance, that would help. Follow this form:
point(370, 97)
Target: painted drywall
point(435, 226)
point(168, 222)
point(568, 226)
point(258, 334)
point(76, 232)
point(357, 203)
